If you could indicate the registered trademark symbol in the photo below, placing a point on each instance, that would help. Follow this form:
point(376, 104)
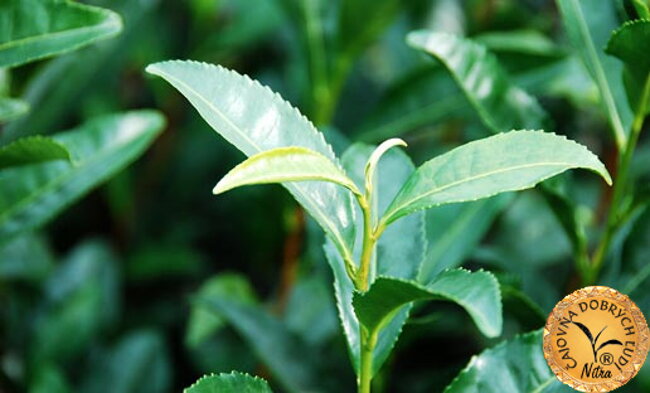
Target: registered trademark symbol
point(606, 358)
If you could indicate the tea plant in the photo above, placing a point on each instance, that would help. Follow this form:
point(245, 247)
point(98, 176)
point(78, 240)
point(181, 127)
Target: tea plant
point(369, 203)
point(375, 284)
point(40, 176)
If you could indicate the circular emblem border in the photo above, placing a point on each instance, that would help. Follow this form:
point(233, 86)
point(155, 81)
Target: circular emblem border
point(640, 352)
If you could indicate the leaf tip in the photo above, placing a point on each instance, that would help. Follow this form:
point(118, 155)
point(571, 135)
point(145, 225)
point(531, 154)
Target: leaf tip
point(220, 188)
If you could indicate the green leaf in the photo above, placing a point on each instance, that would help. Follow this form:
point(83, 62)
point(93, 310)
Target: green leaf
point(373, 160)
point(254, 119)
point(588, 24)
point(121, 368)
point(27, 257)
point(203, 323)
point(81, 302)
point(86, 74)
point(229, 383)
point(501, 105)
point(11, 108)
point(530, 42)
point(398, 253)
point(284, 164)
point(31, 150)
point(478, 293)
point(513, 366)
point(32, 195)
point(361, 22)
point(631, 44)
point(641, 8)
point(493, 109)
point(48, 378)
point(36, 29)
point(422, 97)
point(285, 355)
point(505, 162)
point(455, 230)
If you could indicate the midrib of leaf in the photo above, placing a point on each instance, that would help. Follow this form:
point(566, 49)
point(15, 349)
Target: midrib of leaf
point(105, 24)
point(63, 33)
point(60, 179)
point(332, 228)
point(601, 80)
point(434, 295)
point(476, 177)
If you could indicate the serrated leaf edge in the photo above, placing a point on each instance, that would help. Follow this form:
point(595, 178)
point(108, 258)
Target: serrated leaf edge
point(502, 344)
point(154, 70)
point(453, 299)
point(255, 378)
point(626, 25)
point(388, 218)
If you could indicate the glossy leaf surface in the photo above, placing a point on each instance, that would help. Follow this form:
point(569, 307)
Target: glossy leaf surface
point(284, 164)
point(34, 29)
point(505, 162)
point(500, 104)
point(229, 383)
point(254, 119)
point(511, 367)
point(478, 293)
point(396, 255)
point(31, 150)
point(31, 195)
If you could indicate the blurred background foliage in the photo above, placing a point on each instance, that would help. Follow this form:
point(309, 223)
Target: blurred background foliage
point(99, 300)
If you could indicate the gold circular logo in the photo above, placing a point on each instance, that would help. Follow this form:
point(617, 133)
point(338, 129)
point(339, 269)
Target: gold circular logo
point(595, 339)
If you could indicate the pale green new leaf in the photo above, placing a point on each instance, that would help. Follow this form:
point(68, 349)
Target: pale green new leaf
point(31, 150)
point(31, 195)
point(284, 164)
point(35, 29)
point(396, 255)
point(373, 160)
point(11, 108)
point(510, 161)
point(478, 293)
point(229, 383)
point(588, 24)
point(514, 366)
point(254, 119)
point(501, 105)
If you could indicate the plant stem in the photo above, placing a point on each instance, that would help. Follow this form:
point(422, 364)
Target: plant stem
point(368, 342)
point(361, 283)
point(620, 186)
point(368, 245)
